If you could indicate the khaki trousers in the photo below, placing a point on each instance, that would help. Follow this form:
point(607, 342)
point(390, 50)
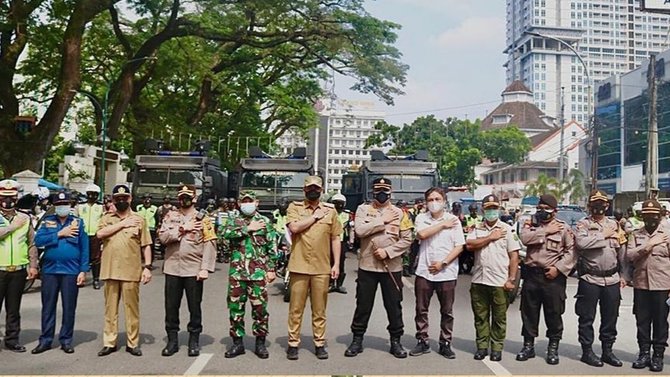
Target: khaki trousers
point(129, 291)
point(316, 286)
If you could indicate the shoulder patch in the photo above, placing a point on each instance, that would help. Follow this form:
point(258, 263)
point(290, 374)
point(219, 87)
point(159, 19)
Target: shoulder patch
point(329, 205)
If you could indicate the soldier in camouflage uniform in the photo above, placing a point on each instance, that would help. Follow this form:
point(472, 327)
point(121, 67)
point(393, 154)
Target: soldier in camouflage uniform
point(250, 240)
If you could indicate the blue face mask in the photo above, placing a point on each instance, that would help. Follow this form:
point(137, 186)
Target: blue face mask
point(491, 214)
point(62, 210)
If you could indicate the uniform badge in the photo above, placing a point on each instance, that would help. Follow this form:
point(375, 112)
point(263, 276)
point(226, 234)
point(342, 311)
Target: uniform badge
point(122, 190)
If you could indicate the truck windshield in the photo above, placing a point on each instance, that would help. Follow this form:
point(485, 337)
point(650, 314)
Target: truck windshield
point(169, 177)
point(272, 179)
point(407, 182)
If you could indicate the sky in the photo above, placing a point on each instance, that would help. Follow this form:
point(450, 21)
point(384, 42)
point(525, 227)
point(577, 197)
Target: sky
point(454, 51)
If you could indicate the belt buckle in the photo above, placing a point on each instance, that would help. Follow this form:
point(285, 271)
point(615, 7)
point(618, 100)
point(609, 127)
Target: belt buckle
point(11, 268)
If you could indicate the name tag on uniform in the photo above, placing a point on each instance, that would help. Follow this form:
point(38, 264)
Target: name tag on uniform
point(50, 224)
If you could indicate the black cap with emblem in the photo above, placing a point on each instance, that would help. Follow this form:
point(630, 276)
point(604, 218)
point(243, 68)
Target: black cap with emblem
point(381, 183)
point(61, 198)
point(121, 190)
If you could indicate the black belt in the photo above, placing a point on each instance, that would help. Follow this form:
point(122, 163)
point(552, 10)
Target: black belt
point(534, 270)
point(600, 274)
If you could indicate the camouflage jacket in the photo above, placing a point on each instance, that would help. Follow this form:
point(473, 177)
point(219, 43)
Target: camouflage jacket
point(251, 255)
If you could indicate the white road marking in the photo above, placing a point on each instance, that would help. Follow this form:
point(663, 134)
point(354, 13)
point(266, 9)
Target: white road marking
point(198, 365)
point(407, 283)
point(496, 368)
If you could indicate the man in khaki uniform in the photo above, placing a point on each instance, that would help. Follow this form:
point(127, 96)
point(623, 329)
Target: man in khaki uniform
point(190, 255)
point(315, 232)
point(125, 237)
point(598, 244)
point(549, 260)
point(649, 251)
point(386, 234)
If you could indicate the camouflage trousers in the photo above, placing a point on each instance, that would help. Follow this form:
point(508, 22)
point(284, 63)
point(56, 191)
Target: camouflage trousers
point(238, 293)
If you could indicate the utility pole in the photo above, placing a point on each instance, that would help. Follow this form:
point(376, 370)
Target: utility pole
point(652, 136)
point(561, 160)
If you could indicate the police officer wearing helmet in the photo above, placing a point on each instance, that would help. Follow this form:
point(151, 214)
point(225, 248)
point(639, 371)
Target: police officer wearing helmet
point(598, 245)
point(18, 260)
point(649, 251)
point(549, 260)
point(148, 212)
point(343, 215)
point(91, 212)
point(64, 266)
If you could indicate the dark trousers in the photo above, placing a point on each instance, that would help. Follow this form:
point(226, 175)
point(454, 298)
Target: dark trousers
point(95, 253)
point(11, 291)
point(650, 312)
point(588, 296)
point(52, 285)
point(343, 257)
point(423, 290)
point(366, 288)
point(538, 293)
point(175, 286)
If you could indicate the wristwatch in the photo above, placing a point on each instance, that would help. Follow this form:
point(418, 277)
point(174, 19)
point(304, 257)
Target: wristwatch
point(148, 267)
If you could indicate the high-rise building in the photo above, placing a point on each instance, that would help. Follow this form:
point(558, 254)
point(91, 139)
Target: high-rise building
point(612, 37)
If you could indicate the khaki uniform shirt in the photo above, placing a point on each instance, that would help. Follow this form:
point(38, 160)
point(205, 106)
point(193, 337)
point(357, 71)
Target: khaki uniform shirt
point(652, 269)
point(394, 237)
point(310, 249)
point(122, 255)
point(492, 261)
point(188, 253)
point(549, 250)
point(597, 254)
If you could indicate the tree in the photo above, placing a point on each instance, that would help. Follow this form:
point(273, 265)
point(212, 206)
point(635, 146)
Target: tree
point(542, 185)
point(209, 68)
point(506, 144)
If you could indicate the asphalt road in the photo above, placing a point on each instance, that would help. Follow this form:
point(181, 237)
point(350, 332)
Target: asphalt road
point(375, 359)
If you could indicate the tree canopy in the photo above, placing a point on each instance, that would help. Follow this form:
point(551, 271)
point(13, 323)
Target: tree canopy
point(208, 67)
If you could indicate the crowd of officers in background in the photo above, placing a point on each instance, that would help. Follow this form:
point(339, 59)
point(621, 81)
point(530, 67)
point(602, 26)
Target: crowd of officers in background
point(118, 245)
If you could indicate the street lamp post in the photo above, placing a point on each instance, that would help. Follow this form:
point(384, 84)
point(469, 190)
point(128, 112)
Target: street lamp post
point(591, 89)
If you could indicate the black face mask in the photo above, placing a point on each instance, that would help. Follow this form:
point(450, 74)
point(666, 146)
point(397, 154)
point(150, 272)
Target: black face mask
point(313, 195)
point(186, 202)
point(92, 198)
point(147, 203)
point(339, 207)
point(598, 210)
point(121, 206)
point(8, 203)
point(544, 216)
point(382, 197)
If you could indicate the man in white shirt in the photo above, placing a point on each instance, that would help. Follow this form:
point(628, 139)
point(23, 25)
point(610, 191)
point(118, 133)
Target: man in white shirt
point(496, 249)
point(441, 236)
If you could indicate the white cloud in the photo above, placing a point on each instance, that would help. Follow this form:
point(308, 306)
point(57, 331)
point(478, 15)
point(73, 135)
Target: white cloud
point(473, 33)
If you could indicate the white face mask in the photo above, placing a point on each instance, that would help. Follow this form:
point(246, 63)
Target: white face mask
point(248, 208)
point(435, 206)
point(62, 210)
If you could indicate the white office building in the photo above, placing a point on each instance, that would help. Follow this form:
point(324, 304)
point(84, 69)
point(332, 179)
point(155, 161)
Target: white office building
point(612, 36)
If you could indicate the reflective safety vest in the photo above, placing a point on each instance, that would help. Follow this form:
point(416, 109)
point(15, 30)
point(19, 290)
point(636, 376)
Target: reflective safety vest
point(91, 216)
point(14, 247)
point(280, 222)
point(148, 214)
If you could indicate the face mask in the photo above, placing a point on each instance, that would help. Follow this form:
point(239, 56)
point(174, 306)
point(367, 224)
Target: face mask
point(491, 214)
point(339, 207)
point(312, 195)
point(62, 210)
point(381, 197)
point(147, 203)
point(544, 216)
point(598, 210)
point(121, 205)
point(8, 203)
point(92, 198)
point(186, 202)
point(435, 206)
point(248, 208)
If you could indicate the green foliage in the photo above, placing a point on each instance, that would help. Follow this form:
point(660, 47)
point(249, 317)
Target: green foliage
point(55, 157)
point(572, 188)
point(506, 144)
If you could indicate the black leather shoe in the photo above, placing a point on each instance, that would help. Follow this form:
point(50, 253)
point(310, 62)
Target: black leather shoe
point(445, 350)
point(170, 349)
point(40, 348)
point(96, 283)
point(481, 354)
point(590, 358)
point(106, 351)
point(292, 353)
point(321, 353)
point(15, 347)
point(397, 349)
point(194, 345)
point(67, 348)
point(134, 351)
point(422, 347)
point(643, 360)
point(608, 357)
point(495, 356)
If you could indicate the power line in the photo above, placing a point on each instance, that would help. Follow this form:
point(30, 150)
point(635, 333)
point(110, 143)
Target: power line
point(444, 108)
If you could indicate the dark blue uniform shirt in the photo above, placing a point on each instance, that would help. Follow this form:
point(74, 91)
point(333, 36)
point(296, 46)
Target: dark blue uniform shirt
point(68, 255)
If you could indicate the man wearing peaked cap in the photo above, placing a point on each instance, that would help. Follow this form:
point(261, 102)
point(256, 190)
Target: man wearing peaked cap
point(549, 260)
point(600, 259)
point(648, 250)
point(18, 259)
point(64, 266)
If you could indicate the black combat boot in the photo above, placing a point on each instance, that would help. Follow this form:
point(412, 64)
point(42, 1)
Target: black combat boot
point(608, 356)
point(355, 347)
point(528, 350)
point(590, 358)
point(172, 345)
point(236, 349)
point(552, 352)
point(656, 364)
point(194, 344)
point(643, 358)
point(397, 349)
point(261, 351)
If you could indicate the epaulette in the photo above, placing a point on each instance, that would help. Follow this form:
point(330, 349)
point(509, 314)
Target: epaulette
point(298, 203)
point(559, 220)
point(329, 205)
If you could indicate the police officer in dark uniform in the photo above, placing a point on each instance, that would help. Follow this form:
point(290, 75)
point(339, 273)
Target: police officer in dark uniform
point(649, 251)
point(549, 260)
point(600, 257)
